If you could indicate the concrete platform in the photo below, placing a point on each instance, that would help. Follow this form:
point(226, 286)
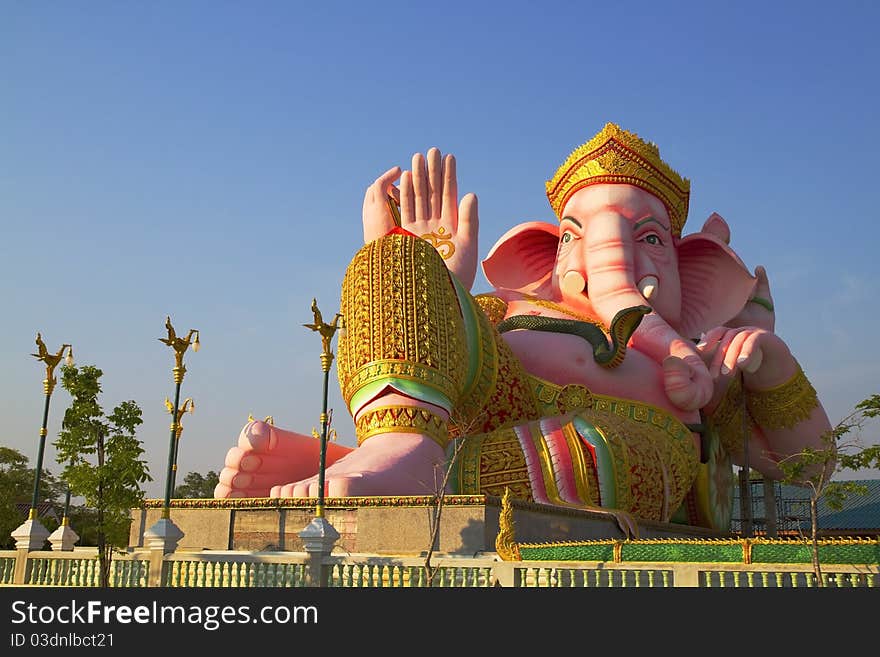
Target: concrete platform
point(385, 525)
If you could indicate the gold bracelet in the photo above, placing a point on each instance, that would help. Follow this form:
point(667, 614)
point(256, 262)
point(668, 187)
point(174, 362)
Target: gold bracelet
point(401, 419)
point(785, 405)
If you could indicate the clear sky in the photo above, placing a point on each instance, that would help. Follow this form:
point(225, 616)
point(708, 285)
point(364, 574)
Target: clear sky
point(208, 160)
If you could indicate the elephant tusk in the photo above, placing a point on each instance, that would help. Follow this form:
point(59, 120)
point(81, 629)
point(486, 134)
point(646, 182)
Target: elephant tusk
point(573, 283)
point(648, 286)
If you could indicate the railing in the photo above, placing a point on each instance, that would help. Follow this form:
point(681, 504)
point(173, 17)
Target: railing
point(231, 569)
point(595, 575)
point(666, 575)
point(7, 566)
point(152, 568)
point(352, 572)
point(73, 568)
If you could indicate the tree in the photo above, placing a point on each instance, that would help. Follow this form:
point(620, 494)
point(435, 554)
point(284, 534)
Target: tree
point(85, 521)
point(111, 482)
point(16, 488)
point(196, 485)
point(816, 467)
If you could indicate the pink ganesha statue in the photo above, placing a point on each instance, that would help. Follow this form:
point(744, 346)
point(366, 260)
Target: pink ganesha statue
point(617, 365)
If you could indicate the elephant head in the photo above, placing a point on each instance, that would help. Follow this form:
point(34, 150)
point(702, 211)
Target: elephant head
point(615, 247)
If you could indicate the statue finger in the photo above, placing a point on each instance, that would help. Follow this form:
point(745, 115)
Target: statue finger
point(384, 183)
point(717, 367)
point(435, 183)
point(762, 288)
point(468, 215)
point(407, 199)
point(751, 355)
point(733, 353)
point(420, 187)
point(449, 207)
point(709, 341)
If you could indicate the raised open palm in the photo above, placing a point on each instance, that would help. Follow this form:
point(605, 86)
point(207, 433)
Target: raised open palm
point(427, 198)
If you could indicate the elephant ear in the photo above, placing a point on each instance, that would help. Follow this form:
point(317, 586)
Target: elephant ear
point(523, 259)
point(715, 283)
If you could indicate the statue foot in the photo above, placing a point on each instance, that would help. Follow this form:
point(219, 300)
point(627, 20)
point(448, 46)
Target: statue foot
point(385, 464)
point(267, 456)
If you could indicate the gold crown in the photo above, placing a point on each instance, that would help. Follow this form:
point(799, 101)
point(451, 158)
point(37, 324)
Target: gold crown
point(618, 156)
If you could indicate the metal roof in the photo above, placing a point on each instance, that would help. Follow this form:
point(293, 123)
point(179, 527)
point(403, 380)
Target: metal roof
point(859, 512)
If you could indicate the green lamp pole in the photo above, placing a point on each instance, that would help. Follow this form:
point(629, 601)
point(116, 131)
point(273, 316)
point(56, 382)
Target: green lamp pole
point(51, 361)
point(180, 345)
point(188, 405)
point(65, 519)
point(327, 331)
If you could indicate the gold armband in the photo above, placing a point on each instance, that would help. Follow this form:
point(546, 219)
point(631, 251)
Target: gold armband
point(785, 405)
point(401, 419)
point(402, 320)
point(494, 307)
point(728, 418)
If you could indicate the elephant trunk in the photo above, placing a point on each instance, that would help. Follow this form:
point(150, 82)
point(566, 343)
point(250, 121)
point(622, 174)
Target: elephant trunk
point(611, 286)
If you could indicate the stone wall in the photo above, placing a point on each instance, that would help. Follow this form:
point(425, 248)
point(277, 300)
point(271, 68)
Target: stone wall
point(380, 525)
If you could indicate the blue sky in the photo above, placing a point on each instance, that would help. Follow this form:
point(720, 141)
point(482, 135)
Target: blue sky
point(207, 161)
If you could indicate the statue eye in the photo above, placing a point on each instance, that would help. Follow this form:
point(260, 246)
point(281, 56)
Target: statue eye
point(654, 239)
point(566, 237)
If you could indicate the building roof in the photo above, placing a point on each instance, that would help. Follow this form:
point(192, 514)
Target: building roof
point(44, 510)
point(859, 512)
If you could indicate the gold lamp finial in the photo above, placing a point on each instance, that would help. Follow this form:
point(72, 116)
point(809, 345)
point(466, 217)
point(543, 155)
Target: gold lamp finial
point(180, 345)
point(51, 361)
point(326, 330)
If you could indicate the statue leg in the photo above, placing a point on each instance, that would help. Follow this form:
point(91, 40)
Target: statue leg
point(417, 363)
point(592, 452)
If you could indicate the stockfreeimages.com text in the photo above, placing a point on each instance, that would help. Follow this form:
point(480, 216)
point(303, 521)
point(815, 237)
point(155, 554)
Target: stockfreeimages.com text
point(211, 617)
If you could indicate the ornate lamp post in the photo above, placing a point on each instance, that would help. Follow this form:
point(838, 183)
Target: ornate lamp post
point(51, 361)
point(188, 405)
point(165, 534)
point(180, 345)
point(319, 536)
point(32, 534)
point(327, 331)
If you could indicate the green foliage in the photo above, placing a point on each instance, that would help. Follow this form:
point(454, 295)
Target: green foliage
point(103, 458)
point(17, 486)
point(815, 466)
point(197, 486)
point(85, 522)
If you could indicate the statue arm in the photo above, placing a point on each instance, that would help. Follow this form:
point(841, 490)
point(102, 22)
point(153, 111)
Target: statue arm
point(756, 374)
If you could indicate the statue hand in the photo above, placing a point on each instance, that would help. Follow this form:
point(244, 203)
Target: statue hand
point(429, 208)
point(761, 356)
